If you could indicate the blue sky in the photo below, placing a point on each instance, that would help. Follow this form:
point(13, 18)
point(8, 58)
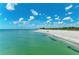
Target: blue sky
point(30, 15)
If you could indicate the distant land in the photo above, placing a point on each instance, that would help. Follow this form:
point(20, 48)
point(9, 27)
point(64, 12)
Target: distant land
point(63, 28)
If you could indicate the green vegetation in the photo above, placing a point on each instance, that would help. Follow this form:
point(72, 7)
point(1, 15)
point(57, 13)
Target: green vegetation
point(63, 28)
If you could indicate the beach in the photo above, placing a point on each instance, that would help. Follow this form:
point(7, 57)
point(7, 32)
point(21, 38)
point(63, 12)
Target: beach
point(68, 36)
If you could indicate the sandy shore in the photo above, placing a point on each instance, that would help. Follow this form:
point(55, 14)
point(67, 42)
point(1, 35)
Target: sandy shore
point(68, 36)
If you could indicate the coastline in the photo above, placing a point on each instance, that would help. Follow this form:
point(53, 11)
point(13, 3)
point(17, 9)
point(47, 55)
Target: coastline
point(70, 37)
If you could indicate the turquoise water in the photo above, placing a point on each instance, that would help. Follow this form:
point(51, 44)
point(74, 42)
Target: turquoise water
point(28, 42)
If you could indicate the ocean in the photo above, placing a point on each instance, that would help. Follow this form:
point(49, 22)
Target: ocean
point(28, 42)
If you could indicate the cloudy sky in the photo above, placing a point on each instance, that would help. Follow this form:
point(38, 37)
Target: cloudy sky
point(29, 15)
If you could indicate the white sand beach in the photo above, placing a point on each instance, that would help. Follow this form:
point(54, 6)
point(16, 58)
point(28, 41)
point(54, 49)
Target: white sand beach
point(65, 35)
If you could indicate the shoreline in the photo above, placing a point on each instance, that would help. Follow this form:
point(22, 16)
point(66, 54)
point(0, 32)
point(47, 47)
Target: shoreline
point(70, 37)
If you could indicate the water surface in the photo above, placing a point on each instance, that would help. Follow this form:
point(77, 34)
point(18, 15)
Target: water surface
point(28, 42)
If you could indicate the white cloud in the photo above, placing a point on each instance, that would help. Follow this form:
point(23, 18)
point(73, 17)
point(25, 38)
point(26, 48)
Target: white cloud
point(31, 18)
point(11, 6)
point(35, 13)
point(67, 18)
point(15, 22)
point(57, 18)
point(60, 22)
point(68, 7)
point(69, 12)
point(48, 17)
point(48, 21)
point(21, 19)
point(57, 23)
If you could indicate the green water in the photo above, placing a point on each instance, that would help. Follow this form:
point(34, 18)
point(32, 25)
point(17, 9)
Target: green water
point(28, 42)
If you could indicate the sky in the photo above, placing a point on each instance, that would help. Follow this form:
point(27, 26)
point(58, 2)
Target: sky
point(38, 15)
